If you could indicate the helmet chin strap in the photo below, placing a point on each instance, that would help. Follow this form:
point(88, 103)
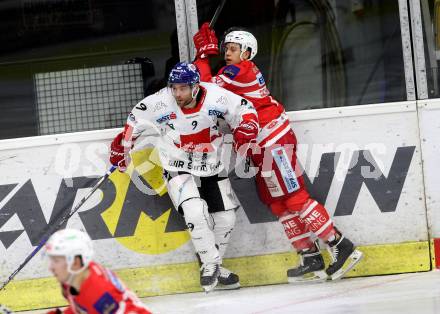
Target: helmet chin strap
point(73, 273)
point(70, 279)
point(241, 55)
point(194, 91)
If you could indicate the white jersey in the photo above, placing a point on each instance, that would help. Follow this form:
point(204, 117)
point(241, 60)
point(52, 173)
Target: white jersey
point(190, 139)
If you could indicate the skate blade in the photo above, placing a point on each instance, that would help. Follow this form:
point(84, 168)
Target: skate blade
point(351, 261)
point(317, 276)
point(5, 310)
point(233, 286)
point(210, 287)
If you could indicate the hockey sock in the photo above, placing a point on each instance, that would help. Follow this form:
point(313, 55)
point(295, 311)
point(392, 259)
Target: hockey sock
point(200, 225)
point(296, 231)
point(224, 222)
point(317, 220)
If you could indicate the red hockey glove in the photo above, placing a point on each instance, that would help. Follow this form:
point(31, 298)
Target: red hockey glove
point(245, 133)
point(206, 42)
point(119, 154)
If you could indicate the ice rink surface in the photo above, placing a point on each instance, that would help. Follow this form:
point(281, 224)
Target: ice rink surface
point(406, 293)
point(403, 294)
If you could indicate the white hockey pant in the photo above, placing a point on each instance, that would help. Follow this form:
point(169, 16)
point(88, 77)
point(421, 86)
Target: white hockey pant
point(184, 194)
point(202, 225)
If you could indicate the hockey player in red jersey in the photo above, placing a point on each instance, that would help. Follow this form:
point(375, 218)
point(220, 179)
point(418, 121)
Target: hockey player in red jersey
point(87, 286)
point(278, 184)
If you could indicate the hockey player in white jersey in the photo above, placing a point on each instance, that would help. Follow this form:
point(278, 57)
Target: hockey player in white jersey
point(190, 146)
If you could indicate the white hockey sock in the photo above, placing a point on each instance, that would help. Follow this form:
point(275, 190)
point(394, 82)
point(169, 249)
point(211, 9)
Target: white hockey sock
point(199, 224)
point(224, 222)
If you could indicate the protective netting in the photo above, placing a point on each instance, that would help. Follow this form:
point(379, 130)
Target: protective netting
point(87, 99)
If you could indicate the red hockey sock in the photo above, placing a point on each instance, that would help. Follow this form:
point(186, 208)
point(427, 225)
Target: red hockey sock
point(296, 231)
point(317, 220)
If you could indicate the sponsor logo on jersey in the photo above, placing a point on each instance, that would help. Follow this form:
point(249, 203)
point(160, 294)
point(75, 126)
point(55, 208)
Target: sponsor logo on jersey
point(260, 79)
point(131, 117)
point(167, 117)
point(221, 100)
point(285, 167)
point(176, 163)
point(215, 112)
point(272, 183)
point(204, 167)
point(231, 71)
point(106, 304)
point(159, 106)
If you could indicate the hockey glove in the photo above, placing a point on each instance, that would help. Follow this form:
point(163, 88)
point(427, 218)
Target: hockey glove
point(245, 133)
point(119, 154)
point(206, 42)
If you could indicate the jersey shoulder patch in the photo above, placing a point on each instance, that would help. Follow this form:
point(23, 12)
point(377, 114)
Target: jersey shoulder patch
point(106, 304)
point(231, 71)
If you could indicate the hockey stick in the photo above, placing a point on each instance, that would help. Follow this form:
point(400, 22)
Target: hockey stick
point(57, 226)
point(217, 13)
point(211, 25)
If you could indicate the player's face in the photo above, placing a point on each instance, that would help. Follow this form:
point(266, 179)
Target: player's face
point(232, 53)
point(58, 267)
point(182, 93)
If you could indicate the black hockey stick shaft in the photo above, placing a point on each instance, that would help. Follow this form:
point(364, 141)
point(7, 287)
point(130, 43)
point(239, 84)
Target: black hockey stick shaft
point(57, 226)
point(211, 25)
point(247, 164)
point(217, 13)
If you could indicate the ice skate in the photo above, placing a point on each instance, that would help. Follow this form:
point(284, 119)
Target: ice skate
point(227, 280)
point(344, 257)
point(209, 274)
point(310, 269)
point(5, 310)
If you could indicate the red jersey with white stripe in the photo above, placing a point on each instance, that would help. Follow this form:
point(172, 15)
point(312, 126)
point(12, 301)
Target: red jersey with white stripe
point(246, 80)
point(102, 292)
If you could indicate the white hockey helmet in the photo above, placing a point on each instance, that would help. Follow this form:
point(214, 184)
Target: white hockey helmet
point(245, 39)
point(71, 243)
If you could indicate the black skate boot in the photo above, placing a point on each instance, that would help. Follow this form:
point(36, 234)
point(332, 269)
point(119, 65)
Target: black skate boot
point(227, 280)
point(209, 276)
point(310, 269)
point(344, 257)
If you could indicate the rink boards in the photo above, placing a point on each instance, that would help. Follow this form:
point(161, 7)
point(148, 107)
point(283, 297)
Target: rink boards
point(363, 162)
